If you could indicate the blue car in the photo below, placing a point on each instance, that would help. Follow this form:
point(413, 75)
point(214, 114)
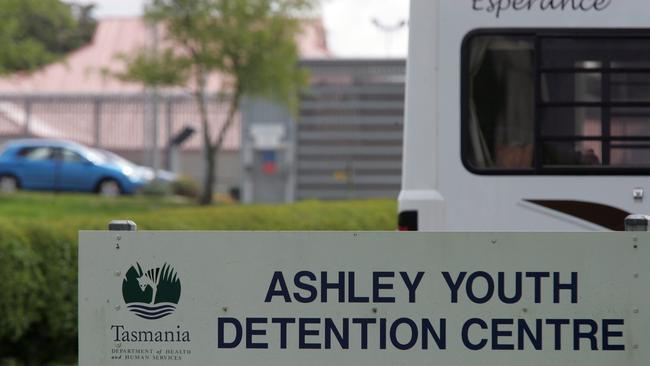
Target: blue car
point(59, 165)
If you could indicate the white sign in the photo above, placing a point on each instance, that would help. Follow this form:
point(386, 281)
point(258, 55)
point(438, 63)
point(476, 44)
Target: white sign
point(268, 136)
point(214, 298)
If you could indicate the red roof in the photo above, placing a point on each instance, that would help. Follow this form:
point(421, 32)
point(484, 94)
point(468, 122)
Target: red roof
point(81, 71)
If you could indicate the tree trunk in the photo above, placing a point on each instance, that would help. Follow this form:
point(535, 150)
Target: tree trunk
point(230, 119)
point(233, 107)
point(210, 172)
point(208, 149)
point(211, 150)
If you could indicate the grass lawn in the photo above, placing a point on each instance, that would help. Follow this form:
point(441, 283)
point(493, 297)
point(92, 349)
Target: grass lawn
point(83, 211)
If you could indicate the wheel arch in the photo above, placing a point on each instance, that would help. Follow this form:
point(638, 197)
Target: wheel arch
point(106, 178)
point(13, 175)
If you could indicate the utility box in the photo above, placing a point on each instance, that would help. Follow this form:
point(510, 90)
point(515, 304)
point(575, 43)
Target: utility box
point(267, 153)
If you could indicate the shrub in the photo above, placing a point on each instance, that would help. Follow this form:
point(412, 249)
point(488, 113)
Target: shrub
point(156, 189)
point(38, 306)
point(186, 187)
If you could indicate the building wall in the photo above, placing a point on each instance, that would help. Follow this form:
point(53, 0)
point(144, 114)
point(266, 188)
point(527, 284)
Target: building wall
point(350, 130)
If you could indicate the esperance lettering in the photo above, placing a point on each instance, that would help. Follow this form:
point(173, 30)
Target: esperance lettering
point(400, 332)
point(497, 7)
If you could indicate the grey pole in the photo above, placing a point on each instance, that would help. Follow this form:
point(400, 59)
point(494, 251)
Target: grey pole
point(170, 128)
point(28, 117)
point(97, 119)
point(155, 101)
point(122, 225)
point(637, 223)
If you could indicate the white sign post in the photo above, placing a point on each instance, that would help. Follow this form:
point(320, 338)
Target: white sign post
point(214, 298)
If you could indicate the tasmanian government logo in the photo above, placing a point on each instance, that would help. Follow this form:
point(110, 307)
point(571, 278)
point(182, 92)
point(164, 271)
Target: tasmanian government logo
point(151, 294)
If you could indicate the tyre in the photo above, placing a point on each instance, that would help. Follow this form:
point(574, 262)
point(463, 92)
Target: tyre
point(8, 184)
point(109, 188)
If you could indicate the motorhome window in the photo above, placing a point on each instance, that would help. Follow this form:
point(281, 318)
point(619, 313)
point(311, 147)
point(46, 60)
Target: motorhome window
point(556, 103)
point(501, 79)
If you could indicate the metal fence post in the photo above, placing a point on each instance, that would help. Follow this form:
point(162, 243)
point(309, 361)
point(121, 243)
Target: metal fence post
point(28, 116)
point(97, 116)
point(146, 109)
point(169, 127)
point(155, 153)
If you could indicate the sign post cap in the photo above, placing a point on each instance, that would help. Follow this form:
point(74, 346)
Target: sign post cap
point(122, 225)
point(637, 223)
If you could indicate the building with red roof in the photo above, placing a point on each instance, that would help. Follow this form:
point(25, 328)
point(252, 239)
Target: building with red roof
point(77, 99)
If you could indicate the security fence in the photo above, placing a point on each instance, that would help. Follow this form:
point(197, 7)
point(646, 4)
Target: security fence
point(115, 122)
point(348, 136)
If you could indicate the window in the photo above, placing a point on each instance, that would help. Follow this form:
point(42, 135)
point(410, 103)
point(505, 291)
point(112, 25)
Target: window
point(36, 153)
point(70, 156)
point(556, 102)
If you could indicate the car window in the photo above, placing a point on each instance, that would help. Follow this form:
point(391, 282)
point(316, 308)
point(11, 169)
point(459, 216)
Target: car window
point(38, 153)
point(70, 156)
point(115, 159)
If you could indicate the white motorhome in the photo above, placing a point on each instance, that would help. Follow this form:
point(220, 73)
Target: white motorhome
point(526, 115)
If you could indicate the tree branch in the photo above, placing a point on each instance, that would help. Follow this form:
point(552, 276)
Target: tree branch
point(230, 118)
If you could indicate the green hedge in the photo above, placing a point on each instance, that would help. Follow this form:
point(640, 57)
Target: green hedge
point(38, 287)
point(38, 258)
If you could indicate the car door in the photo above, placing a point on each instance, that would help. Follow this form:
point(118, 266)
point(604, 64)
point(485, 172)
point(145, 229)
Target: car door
point(75, 173)
point(35, 167)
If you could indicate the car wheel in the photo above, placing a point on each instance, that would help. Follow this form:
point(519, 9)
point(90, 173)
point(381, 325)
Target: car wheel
point(8, 184)
point(109, 188)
